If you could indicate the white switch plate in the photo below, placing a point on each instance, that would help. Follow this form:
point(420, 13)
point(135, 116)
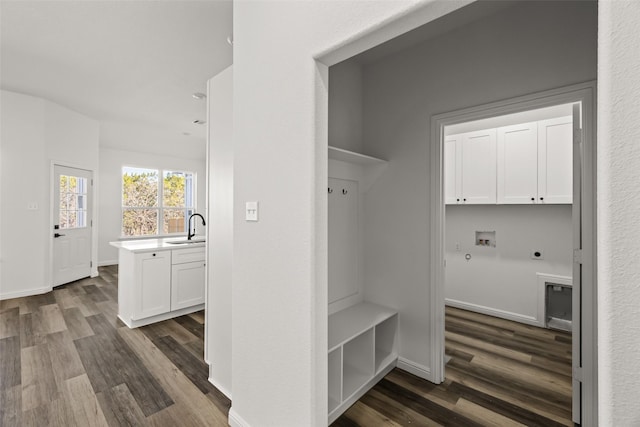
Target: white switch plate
point(251, 211)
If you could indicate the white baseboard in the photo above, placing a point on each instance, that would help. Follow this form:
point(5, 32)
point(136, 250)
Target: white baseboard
point(223, 390)
point(107, 262)
point(236, 420)
point(25, 293)
point(516, 317)
point(416, 369)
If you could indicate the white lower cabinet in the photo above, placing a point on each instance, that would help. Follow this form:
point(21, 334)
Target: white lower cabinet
point(153, 271)
point(187, 282)
point(159, 285)
point(362, 350)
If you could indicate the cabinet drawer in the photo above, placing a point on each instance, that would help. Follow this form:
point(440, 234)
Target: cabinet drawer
point(180, 256)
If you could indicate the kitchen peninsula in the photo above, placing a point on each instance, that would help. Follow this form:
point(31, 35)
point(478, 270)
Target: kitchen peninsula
point(159, 279)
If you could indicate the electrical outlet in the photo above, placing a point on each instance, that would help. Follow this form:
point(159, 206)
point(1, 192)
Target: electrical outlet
point(537, 254)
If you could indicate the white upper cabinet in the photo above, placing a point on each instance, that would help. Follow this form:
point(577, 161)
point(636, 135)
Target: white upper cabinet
point(527, 163)
point(470, 168)
point(452, 169)
point(518, 163)
point(555, 160)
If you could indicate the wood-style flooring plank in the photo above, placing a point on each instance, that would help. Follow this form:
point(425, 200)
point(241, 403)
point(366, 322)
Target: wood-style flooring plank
point(191, 325)
point(65, 360)
point(38, 380)
point(119, 407)
point(84, 404)
point(195, 369)
point(10, 323)
point(177, 385)
point(10, 362)
point(76, 323)
point(11, 406)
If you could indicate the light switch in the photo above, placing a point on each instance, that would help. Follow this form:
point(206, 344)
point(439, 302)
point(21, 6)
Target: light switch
point(251, 211)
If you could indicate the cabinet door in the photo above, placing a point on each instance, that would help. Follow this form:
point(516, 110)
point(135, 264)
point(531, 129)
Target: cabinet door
point(555, 160)
point(479, 167)
point(517, 163)
point(153, 276)
point(187, 284)
point(452, 169)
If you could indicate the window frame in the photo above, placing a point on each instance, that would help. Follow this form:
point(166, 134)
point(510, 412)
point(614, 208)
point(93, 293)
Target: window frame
point(160, 207)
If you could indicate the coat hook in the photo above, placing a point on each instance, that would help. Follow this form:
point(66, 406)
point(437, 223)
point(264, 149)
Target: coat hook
point(344, 191)
point(330, 190)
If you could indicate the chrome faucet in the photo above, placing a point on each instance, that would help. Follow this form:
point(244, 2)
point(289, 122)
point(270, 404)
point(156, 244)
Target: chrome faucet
point(189, 235)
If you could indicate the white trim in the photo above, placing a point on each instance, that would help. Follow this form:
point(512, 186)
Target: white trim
point(222, 390)
point(131, 323)
point(27, 293)
point(496, 312)
point(585, 94)
point(543, 279)
point(108, 262)
point(236, 420)
point(415, 368)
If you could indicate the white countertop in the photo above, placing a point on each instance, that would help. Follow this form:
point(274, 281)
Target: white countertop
point(146, 245)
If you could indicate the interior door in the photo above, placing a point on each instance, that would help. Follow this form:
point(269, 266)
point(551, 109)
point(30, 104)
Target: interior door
point(576, 321)
point(72, 195)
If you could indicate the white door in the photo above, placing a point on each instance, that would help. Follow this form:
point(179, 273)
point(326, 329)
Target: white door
point(518, 163)
point(479, 167)
point(555, 151)
point(72, 193)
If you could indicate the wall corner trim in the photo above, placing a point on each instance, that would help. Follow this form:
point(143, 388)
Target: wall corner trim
point(236, 420)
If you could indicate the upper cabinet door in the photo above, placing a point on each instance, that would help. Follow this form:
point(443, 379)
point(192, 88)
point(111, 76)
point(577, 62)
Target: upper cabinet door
point(555, 159)
point(452, 169)
point(518, 163)
point(479, 167)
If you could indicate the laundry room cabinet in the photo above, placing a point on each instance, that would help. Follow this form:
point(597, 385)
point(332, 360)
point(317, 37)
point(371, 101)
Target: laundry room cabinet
point(470, 168)
point(526, 163)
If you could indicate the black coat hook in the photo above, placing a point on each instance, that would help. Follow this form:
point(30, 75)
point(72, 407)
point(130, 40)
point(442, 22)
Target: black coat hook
point(344, 191)
point(330, 190)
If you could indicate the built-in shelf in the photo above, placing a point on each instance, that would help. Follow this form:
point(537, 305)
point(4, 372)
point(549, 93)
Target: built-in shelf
point(362, 350)
point(353, 157)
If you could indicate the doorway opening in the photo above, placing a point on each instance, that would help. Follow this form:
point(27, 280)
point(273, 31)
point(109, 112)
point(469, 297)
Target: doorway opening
point(468, 245)
point(509, 258)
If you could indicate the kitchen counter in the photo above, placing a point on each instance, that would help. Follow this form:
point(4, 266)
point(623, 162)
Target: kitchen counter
point(150, 245)
point(158, 279)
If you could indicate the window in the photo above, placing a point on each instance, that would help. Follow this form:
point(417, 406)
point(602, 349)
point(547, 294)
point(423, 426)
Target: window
point(73, 198)
point(152, 206)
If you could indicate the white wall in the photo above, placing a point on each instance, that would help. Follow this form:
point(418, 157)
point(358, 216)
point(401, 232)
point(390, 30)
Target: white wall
point(220, 230)
point(618, 213)
point(110, 191)
point(36, 133)
point(502, 281)
point(524, 49)
point(280, 159)
point(345, 106)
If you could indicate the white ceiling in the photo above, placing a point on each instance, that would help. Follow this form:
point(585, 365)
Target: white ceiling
point(131, 65)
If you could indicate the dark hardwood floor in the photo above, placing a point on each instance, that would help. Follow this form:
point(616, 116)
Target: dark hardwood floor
point(501, 373)
point(65, 360)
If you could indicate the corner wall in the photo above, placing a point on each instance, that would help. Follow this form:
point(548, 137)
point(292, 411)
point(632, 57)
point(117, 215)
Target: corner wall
point(618, 213)
point(36, 133)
